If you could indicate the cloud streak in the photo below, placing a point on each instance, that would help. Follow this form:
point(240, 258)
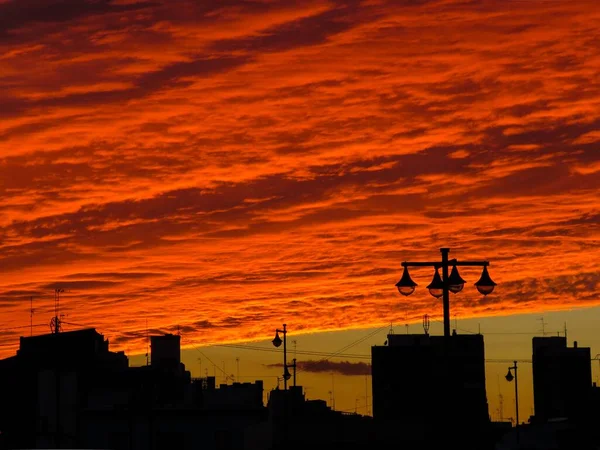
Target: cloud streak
point(325, 366)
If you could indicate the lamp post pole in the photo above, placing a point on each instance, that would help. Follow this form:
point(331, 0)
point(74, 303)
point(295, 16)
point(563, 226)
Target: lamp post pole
point(446, 291)
point(509, 377)
point(442, 286)
point(284, 357)
point(277, 342)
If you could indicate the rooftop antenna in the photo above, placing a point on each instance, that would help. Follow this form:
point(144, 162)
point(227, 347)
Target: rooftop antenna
point(426, 323)
point(237, 362)
point(31, 314)
point(391, 328)
point(500, 402)
point(147, 344)
point(543, 326)
point(367, 394)
point(332, 391)
point(566, 332)
point(55, 323)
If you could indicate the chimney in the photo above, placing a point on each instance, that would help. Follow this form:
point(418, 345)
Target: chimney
point(574, 344)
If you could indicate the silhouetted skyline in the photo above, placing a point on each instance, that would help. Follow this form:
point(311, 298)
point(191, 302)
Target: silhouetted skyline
point(216, 169)
point(68, 389)
point(272, 158)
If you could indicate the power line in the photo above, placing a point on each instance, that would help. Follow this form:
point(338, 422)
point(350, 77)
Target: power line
point(358, 341)
point(301, 352)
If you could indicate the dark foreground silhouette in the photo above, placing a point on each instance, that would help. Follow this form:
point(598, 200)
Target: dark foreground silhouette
point(68, 390)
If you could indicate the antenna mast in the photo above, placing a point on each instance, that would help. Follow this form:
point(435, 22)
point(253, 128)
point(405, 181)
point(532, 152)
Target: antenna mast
point(31, 314)
point(426, 323)
point(543, 326)
point(367, 394)
point(147, 344)
point(500, 402)
point(55, 323)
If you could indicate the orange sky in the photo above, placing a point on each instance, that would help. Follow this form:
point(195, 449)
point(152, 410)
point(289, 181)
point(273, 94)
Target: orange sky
point(228, 166)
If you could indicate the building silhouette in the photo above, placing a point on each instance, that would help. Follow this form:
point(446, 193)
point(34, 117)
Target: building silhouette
point(41, 387)
point(566, 402)
point(69, 390)
point(427, 387)
point(562, 379)
point(299, 423)
point(165, 351)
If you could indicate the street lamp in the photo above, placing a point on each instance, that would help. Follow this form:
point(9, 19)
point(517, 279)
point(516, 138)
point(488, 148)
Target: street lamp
point(509, 377)
point(277, 343)
point(441, 286)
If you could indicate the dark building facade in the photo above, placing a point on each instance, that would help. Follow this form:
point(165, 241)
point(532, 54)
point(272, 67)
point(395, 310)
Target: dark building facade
point(44, 384)
point(299, 423)
point(562, 379)
point(431, 385)
point(165, 350)
point(68, 390)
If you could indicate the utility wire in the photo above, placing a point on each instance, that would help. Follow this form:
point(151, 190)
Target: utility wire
point(358, 341)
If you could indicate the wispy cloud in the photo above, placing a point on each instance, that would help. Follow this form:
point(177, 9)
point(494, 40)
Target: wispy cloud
point(220, 164)
point(327, 366)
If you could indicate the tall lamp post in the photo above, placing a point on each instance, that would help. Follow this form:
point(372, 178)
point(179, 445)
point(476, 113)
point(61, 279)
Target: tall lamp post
point(441, 286)
point(277, 343)
point(509, 377)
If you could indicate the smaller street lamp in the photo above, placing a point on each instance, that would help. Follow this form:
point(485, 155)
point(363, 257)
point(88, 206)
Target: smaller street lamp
point(509, 377)
point(277, 341)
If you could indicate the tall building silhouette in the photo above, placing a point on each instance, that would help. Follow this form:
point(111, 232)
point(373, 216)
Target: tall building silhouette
point(165, 351)
point(431, 386)
point(43, 385)
point(562, 379)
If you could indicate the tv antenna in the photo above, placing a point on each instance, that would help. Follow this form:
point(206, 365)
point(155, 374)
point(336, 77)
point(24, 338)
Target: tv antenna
point(56, 322)
point(543, 325)
point(426, 323)
point(500, 402)
point(147, 344)
point(31, 314)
